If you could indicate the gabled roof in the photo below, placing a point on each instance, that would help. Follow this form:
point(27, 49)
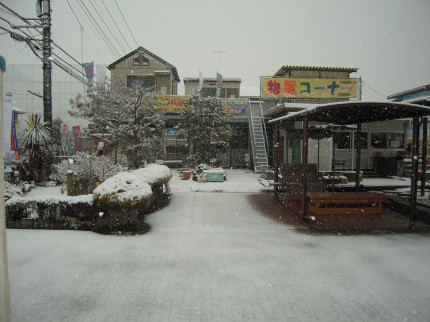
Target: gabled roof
point(141, 49)
point(286, 68)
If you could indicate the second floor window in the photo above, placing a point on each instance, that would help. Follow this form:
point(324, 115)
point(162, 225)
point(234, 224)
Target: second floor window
point(140, 60)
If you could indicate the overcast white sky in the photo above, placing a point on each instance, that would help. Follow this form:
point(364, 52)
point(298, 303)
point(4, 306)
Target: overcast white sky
point(387, 40)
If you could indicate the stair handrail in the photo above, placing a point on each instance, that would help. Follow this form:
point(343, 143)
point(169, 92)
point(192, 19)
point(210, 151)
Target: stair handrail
point(251, 129)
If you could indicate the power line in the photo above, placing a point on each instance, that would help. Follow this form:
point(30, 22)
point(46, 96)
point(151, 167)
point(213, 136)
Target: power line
point(137, 45)
point(84, 30)
point(125, 40)
point(100, 30)
point(97, 10)
point(375, 91)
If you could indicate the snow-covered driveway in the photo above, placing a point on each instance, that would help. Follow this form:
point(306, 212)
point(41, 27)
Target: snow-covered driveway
point(213, 257)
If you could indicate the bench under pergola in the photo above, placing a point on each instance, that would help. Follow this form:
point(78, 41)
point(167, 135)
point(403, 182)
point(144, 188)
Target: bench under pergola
point(355, 113)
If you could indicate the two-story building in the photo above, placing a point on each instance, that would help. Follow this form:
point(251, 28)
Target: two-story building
point(143, 67)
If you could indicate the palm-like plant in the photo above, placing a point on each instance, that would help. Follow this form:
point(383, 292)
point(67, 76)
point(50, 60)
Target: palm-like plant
point(36, 141)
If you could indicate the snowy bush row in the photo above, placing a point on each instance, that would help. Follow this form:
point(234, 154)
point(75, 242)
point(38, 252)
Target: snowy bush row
point(125, 193)
point(132, 189)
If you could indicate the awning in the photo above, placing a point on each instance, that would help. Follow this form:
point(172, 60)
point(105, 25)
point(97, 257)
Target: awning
point(357, 112)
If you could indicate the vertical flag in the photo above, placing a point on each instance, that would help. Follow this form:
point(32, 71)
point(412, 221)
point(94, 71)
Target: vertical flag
point(14, 149)
point(101, 76)
point(218, 84)
point(8, 102)
point(77, 134)
point(89, 71)
point(200, 80)
point(64, 141)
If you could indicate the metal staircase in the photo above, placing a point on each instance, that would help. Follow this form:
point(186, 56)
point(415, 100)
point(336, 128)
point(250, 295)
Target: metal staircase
point(258, 136)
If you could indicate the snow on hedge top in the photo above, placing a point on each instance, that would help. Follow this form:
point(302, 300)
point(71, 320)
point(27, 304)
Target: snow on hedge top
point(129, 189)
point(50, 199)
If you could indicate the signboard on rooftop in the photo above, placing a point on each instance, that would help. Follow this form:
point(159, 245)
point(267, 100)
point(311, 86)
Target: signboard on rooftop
point(333, 88)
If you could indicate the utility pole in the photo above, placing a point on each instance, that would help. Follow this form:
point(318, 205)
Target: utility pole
point(45, 12)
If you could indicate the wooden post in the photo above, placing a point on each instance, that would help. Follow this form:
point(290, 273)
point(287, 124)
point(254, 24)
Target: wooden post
point(304, 172)
point(414, 176)
point(276, 159)
point(424, 157)
point(69, 183)
point(357, 159)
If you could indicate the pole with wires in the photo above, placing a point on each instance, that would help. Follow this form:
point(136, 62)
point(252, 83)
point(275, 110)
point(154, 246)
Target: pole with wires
point(47, 64)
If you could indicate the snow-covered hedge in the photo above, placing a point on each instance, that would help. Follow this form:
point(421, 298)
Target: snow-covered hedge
point(54, 212)
point(133, 188)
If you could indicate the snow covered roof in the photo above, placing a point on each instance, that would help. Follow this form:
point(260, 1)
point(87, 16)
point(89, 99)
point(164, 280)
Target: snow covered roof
point(356, 112)
point(284, 69)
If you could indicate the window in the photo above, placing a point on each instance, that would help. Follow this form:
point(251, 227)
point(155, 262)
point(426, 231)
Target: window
point(342, 140)
point(147, 81)
point(395, 141)
point(378, 141)
point(140, 60)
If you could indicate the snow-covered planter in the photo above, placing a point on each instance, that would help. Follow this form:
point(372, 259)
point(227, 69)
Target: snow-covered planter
point(133, 189)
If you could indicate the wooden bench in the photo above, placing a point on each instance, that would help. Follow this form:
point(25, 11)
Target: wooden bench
point(345, 203)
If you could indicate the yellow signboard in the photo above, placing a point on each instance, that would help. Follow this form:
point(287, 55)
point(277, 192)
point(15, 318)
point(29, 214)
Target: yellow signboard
point(175, 104)
point(334, 88)
point(172, 104)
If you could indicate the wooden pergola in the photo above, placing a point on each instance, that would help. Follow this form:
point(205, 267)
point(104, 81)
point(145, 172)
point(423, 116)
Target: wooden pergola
point(357, 113)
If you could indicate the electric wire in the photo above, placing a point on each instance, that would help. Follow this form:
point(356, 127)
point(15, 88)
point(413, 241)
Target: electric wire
point(98, 11)
point(84, 30)
point(375, 91)
point(93, 26)
point(114, 21)
point(98, 28)
point(137, 45)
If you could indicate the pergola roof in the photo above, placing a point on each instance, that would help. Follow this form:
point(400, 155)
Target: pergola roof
point(357, 112)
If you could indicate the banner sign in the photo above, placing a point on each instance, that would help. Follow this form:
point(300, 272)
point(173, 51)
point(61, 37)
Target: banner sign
point(77, 134)
point(334, 88)
point(235, 107)
point(8, 102)
point(14, 148)
point(218, 84)
point(175, 104)
point(89, 71)
point(172, 104)
point(101, 76)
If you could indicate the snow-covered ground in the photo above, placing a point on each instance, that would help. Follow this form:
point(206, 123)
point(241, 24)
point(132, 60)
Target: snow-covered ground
point(238, 180)
point(215, 257)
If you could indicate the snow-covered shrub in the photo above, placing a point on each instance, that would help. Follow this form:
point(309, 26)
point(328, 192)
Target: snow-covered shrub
point(86, 166)
point(131, 189)
point(11, 190)
point(201, 167)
